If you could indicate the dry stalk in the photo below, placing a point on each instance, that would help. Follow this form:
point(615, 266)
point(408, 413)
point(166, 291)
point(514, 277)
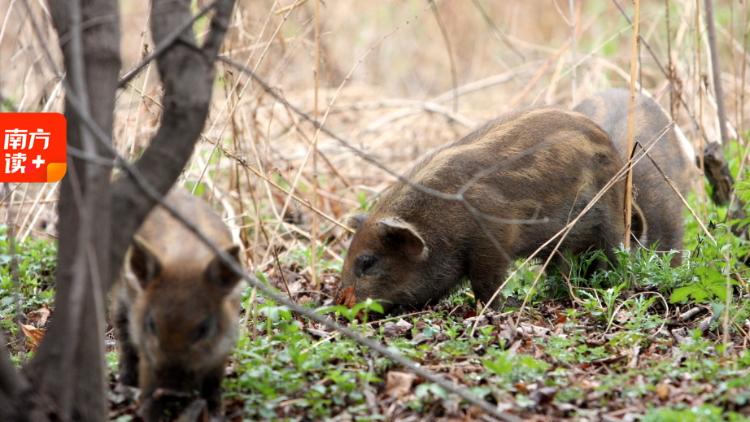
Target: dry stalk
point(281, 271)
point(31, 210)
point(287, 9)
point(573, 22)
point(5, 21)
point(239, 96)
point(703, 202)
point(718, 89)
point(496, 31)
point(243, 162)
point(20, 207)
point(631, 122)
point(143, 48)
point(314, 228)
point(669, 63)
point(446, 39)
point(535, 79)
point(658, 62)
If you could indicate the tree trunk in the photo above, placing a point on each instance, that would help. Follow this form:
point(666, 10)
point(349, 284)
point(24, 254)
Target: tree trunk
point(66, 379)
point(69, 365)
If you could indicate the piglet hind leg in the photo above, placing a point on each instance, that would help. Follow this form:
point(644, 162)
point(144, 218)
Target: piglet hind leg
point(485, 279)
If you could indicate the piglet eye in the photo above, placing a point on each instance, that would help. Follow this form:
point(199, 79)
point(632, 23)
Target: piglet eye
point(150, 324)
point(363, 263)
point(205, 329)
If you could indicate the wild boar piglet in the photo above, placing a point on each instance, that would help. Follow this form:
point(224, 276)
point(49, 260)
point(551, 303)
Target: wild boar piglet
point(522, 177)
point(176, 308)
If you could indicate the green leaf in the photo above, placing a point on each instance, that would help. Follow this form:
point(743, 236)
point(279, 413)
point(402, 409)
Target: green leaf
point(682, 293)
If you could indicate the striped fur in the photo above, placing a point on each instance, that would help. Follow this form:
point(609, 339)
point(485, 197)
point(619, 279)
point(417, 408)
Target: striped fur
point(551, 162)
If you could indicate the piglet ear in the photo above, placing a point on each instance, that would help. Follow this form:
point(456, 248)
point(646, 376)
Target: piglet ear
point(222, 276)
point(141, 263)
point(356, 220)
point(403, 236)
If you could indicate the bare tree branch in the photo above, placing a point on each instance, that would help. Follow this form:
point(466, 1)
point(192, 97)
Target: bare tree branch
point(188, 76)
point(163, 46)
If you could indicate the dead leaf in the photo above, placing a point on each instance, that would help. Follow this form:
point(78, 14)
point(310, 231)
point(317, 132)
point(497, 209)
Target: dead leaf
point(34, 336)
point(419, 338)
point(39, 317)
point(399, 383)
point(543, 396)
point(397, 329)
point(346, 297)
point(470, 313)
point(663, 390)
point(587, 384)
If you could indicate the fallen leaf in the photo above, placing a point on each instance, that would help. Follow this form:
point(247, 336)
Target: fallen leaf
point(405, 325)
point(399, 383)
point(481, 321)
point(588, 384)
point(470, 313)
point(346, 297)
point(419, 338)
point(663, 390)
point(543, 396)
point(39, 317)
point(34, 336)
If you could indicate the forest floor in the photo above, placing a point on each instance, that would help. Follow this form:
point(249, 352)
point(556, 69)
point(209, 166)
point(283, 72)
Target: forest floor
point(638, 342)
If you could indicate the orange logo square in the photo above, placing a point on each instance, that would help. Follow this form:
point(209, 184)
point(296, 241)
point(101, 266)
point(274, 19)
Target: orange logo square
point(33, 147)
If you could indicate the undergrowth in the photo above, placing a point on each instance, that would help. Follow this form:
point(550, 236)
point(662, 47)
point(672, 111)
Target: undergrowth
point(609, 341)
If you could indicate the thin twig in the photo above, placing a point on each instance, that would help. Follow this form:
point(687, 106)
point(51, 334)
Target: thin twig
point(661, 67)
point(281, 271)
point(716, 69)
point(682, 198)
point(496, 31)
point(447, 41)
point(573, 47)
point(164, 45)
point(314, 228)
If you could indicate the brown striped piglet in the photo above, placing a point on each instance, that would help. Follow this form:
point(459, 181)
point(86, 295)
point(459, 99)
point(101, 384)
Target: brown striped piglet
point(176, 307)
point(520, 179)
